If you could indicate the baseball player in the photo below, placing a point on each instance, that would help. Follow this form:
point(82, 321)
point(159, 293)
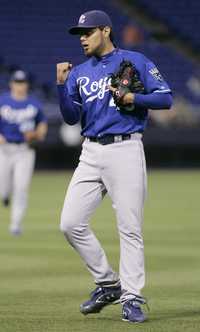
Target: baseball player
point(112, 160)
point(21, 122)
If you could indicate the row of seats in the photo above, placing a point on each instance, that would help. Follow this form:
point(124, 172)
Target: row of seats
point(181, 16)
point(34, 34)
point(176, 69)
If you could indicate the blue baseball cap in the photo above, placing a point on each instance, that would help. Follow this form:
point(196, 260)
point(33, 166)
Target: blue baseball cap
point(91, 19)
point(19, 76)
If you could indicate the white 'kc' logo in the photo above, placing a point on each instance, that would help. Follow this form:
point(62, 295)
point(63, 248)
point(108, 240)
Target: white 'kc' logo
point(82, 19)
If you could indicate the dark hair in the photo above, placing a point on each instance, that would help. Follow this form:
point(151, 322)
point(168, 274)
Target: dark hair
point(112, 36)
point(111, 33)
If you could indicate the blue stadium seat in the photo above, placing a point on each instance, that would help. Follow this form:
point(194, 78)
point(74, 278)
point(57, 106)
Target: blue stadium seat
point(181, 16)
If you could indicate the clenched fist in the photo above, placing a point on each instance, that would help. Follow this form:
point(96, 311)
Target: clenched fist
point(63, 70)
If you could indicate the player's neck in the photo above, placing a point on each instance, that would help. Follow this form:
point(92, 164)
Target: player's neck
point(18, 96)
point(106, 49)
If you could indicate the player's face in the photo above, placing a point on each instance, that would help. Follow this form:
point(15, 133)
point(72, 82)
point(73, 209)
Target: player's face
point(92, 41)
point(19, 88)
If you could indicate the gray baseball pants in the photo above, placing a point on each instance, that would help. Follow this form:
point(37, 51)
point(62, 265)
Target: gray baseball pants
point(16, 169)
point(120, 170)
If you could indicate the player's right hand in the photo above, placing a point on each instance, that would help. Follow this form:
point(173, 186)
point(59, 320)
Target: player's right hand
point(63, 70)
point(30, 136)
point(2, 139)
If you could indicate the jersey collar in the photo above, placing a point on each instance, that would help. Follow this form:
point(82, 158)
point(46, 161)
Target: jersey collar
point(106, 58)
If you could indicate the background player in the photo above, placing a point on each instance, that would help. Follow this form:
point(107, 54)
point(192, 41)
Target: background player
point(21, 122)
point(112, 161)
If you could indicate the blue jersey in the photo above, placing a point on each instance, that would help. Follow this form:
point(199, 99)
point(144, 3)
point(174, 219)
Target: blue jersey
point(17, 117)
point(87, 88)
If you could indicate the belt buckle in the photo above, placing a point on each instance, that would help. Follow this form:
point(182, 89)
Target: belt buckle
point(106, 140)
point(118, 138)
point(102, 140)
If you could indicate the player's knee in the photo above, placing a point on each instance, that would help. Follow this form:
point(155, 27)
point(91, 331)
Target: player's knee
point(72, 223)
point(71, 227)
point(67, 225)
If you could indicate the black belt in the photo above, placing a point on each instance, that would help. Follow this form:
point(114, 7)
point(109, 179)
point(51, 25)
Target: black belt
point(109, 139)
point(15, 142)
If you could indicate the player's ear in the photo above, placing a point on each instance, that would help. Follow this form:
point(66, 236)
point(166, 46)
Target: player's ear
point(107, 31)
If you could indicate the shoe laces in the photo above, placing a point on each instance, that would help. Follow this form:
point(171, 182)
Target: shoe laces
point(101, 290)
point(96, 291)
point(137, 301)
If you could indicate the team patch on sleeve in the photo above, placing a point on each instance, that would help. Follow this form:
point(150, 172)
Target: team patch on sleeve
point(156, 74)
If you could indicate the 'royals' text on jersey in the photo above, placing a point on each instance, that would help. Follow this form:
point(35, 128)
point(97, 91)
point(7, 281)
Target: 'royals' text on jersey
point(17, 117)
point(88, 86)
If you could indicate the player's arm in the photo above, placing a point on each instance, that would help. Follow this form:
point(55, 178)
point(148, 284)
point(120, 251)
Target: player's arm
point(39, 132)
point(157, 92)
point(2, 138)
point(153, 101)
point(68, 96)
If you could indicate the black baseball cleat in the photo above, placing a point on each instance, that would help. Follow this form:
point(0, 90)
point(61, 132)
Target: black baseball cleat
point(132, 311)
point(16, 232)
point(6, 202)
point(101, 297)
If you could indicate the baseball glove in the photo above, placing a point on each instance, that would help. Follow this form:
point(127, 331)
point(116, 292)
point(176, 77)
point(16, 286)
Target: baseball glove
point(126, 80)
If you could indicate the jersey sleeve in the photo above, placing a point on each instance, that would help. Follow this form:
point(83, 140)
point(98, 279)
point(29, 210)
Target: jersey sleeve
point(40, 116)
point(70, 99)
point(72, 87)
point(157, 94)
point(153, 80)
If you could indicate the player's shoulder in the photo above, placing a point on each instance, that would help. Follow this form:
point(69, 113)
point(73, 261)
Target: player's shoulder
point(82, 67)
point(5, 99)
point(135, 56)
point(5, 96)
point(33, 100)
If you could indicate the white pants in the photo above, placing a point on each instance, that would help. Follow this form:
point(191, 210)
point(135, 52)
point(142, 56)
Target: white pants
point(16, 169)
point(120, 170)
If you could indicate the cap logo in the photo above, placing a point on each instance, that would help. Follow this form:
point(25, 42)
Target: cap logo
point(82, 19)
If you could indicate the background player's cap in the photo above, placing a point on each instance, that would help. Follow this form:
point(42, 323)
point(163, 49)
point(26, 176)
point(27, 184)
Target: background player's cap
point(91, 19)
point(19, 76)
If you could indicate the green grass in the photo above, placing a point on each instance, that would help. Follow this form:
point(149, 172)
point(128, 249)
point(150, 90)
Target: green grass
point(43, 281)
